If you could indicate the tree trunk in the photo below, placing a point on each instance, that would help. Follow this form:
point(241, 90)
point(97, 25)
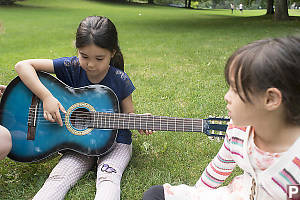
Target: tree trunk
point(189, 4)
point(151, 1)
point(186, 3)
point(270, 7)
point(281, 10)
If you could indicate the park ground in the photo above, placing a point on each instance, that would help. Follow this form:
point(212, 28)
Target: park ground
point(174, 56)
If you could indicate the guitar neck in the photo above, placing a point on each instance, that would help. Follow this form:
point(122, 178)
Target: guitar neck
point(144, 122)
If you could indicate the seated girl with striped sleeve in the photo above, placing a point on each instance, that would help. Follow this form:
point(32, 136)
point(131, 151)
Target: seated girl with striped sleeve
point(263, 136)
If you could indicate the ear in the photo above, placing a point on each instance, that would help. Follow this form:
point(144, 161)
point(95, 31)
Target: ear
point(273, 99)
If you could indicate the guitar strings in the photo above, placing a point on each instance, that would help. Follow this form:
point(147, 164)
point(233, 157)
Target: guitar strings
point(149, 121)
point(163, 125)
point(129, 121)
point(129, 117)
point(169, 126)
point(123, 117)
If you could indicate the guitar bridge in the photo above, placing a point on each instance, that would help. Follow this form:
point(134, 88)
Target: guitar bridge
point(32, 117)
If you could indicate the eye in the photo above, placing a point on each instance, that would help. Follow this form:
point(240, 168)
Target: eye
point(84, 56)
point(99, 59)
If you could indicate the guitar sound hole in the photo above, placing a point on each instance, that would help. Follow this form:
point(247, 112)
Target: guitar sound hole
point(80, 118)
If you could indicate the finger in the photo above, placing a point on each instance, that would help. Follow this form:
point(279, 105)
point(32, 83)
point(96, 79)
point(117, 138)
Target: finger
point(62, 108)
point(48, 117)
point(58, 118)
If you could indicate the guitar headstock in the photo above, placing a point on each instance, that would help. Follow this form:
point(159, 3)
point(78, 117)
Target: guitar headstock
point(215, 126)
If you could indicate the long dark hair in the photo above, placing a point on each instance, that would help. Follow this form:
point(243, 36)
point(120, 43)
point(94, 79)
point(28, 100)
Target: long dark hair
point(269, 63)
point(102, 32)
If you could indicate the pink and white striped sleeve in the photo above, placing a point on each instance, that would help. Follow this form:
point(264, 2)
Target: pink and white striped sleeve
point(219, 168)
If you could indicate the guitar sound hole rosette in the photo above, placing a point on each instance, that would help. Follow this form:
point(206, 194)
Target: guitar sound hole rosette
point(78, 118)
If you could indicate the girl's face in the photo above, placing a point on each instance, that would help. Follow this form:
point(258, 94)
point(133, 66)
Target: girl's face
point(244, 113)
point(95, 61)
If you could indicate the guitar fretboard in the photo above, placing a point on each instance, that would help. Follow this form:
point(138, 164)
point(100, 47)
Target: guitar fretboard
point(144, 122)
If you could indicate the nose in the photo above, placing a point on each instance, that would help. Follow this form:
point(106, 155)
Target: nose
point(90, 64)
point(226, 97)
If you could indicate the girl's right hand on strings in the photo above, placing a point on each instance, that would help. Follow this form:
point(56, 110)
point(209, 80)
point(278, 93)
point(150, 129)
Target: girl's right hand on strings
point(51, 108)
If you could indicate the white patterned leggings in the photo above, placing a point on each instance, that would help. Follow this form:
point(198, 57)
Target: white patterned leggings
point(72, 166)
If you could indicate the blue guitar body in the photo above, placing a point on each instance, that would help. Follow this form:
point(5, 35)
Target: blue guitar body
point(34, 138)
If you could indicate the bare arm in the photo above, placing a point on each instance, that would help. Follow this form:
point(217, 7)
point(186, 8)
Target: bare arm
point(127, 107)
point(26, 70)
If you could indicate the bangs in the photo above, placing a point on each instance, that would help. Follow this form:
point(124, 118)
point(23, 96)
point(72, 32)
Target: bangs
point(240, 70)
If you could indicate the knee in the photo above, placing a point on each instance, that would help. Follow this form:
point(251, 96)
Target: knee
point(5, 142)
point(156, 192)
point(112, 178)
point(58, 182)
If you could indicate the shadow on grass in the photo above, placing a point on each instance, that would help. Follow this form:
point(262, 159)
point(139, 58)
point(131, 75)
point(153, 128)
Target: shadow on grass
point(17, 5)
point(115, 2)
point(211, 22)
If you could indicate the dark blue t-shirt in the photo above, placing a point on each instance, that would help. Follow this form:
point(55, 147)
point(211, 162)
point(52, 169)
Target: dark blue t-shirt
point(69, 71)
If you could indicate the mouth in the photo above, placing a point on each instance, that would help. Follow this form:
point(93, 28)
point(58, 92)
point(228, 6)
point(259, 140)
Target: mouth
point(229, 113)
point(90, 70)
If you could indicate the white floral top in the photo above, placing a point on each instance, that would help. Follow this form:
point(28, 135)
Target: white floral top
point(222, 165)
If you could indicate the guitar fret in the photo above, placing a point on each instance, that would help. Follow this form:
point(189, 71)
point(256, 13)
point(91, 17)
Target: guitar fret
point(144, 122)
point(114, 118)
point(109, 123)
point(160, 123)
point(140, 123)
point(100, 120)
point(175, 124)
point(167, 125)
point(119, 120)
point(147, 123)
point(192, 125)
point(153, 125)
point(134, 122)
point(128, 122)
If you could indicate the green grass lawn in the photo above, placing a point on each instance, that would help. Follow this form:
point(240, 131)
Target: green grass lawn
point(175, 58)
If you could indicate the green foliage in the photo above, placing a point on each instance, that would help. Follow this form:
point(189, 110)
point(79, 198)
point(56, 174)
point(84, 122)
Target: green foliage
point(175, 57)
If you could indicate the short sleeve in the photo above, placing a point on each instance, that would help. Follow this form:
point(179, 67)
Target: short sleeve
point(68, 70)
point(127, 85)
point(119, 82)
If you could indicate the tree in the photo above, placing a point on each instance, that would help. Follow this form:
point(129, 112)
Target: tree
point(270, 7)
point(188, 3)
point(281, 10)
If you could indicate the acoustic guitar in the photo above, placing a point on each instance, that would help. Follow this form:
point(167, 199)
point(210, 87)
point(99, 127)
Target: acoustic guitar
point(90, 125)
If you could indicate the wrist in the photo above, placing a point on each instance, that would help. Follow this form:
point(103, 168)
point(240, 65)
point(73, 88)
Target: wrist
point(45, 96)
